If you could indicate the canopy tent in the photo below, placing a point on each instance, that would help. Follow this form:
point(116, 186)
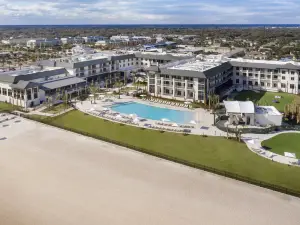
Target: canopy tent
point(239, 107)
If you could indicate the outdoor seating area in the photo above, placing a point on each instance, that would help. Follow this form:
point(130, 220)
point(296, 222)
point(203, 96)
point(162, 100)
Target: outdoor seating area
point(170, 129)
point(175, 125)
point(112, 116)
point(159, 101)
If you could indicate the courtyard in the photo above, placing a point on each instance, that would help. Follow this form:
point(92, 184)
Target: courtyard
point(51, 176)
point(266, 98)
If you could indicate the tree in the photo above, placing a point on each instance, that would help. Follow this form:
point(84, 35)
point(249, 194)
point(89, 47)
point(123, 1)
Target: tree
point(93, 90)
point(213, 102)
point(118, 85)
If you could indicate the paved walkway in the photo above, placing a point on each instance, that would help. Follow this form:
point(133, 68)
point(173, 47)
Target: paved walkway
point(253, 142)
point(51, 176)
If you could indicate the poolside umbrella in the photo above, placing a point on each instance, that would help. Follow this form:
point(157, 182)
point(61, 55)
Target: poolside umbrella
point(187, 103)
point(165, 120)
point(143, 95)
point(119, 116)
point(193, 122)
point(91, 95)
point(174, 125)
point(136, 120)
point(105, 109)
point(132, 115)
point(92, 109)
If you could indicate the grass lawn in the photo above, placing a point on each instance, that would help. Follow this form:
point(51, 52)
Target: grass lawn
point(281, 143)
point(217, 152)
point(56, 108)
point(266, 98)
point(7, 107)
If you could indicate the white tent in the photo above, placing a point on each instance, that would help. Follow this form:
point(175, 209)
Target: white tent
point(239, 107)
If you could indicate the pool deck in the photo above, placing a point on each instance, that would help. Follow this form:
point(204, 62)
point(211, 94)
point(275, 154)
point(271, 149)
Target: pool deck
point(203, 118)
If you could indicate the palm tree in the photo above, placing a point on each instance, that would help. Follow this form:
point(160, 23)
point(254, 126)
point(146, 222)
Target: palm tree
point(213, 102)
point(93, 90)
point(118, 85)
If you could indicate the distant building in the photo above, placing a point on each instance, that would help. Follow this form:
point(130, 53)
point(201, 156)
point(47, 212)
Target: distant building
point(93, 39)
point(33, 43)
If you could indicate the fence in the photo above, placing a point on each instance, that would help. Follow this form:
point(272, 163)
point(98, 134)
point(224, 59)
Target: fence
point(235, 176)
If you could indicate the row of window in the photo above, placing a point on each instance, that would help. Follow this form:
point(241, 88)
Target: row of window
point(263, 76)
point(263, 84)
point(19, 94)
point(262, 70)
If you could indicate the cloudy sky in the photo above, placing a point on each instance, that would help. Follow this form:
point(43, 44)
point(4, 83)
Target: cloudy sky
point(149, 11)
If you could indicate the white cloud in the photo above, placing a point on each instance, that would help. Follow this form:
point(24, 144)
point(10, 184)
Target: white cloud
point(147, 11)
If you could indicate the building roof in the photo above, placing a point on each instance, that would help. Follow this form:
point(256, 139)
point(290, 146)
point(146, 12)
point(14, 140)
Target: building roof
point(239, 107)
point(62, 83)
point(265, 64)
point(159, 56)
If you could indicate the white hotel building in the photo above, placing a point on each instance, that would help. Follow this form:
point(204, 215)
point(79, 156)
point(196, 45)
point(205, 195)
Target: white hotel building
point(195, 79)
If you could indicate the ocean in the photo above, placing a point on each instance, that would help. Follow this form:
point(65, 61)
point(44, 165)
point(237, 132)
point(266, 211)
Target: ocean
point(158, 26)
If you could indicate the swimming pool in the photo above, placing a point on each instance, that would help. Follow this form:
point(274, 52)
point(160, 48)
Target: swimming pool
point(153, 113)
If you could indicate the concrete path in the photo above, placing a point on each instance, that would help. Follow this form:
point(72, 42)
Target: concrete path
point(253, 142)
point(50, 176)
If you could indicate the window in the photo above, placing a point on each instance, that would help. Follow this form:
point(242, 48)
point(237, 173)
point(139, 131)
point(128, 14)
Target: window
point(244, 82)
point(244, 74)
point(4, 91)
point(256, 75)
point(292, 86)
point(178, 92)
point(257, 69)
point(283, 72)
point(262, 84)
point(245, 68)
point(250, 74)
point(9, 92)
point(35, 93)
point(292, 72)
point(237, 68)
point(237, 73)
point(256, 83)
point(292, 78)
point(250, 82)
point(275, 77)
point(262, 76)
point(249, 69)
point(237, 81)
point(268, 84)
point(283, 78)
point(269, 71)
point(274, 85)
point(275, 71)
point(283, 85)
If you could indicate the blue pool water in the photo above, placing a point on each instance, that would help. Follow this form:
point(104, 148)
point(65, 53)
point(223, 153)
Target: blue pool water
point(153, 113)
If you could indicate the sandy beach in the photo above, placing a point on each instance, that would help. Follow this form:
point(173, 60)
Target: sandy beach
point(53, 177)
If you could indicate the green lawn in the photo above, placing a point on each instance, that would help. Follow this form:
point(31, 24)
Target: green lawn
point(281, 143)
point(7, 107)
point(217, 152)
point(266, 98)
point(56, 108)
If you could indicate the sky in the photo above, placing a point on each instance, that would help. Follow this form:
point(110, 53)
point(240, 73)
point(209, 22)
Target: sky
point(33, 12)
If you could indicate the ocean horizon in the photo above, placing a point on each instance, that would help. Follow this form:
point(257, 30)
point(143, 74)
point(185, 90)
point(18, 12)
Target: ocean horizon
point(159, 25)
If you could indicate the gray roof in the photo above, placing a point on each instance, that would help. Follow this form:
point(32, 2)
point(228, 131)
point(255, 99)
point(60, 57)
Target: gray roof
point(264, 65)
point(167, 57)
point(9, 78)
point(152, 68)
point(189, 73)
point(62, 83)
point(23, 84)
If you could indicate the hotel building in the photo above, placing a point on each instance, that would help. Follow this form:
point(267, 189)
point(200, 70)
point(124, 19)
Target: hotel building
point(197, 78)
point(32, 86)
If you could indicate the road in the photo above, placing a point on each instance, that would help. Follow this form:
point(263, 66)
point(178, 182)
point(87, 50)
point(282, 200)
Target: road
point(49, 176)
